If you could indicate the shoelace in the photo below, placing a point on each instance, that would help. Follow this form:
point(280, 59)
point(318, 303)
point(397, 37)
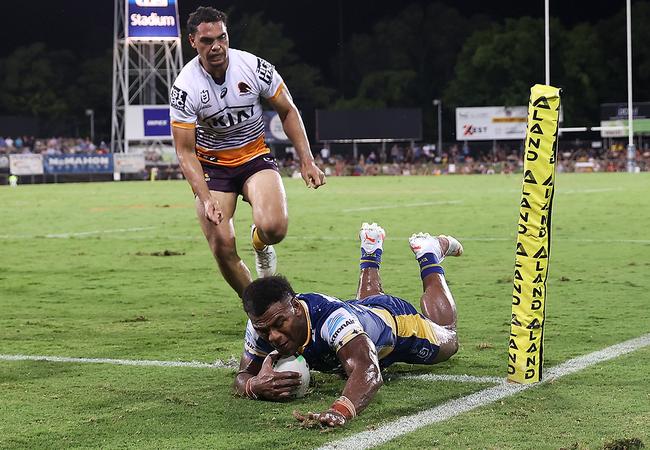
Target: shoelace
point(264, 258)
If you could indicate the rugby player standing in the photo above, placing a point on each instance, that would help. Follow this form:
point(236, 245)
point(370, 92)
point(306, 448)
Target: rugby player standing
point(218, 131)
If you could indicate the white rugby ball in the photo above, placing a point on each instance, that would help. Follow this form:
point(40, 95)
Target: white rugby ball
point(295, 364)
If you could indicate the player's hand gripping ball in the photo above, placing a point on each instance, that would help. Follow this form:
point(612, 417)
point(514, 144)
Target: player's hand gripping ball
point(295, 364)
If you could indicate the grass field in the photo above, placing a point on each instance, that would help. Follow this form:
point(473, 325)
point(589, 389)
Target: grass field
point(81, 276)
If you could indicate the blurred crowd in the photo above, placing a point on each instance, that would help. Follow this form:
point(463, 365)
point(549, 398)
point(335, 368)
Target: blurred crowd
point(51, 146)
point(457, 159)
point(396, 159)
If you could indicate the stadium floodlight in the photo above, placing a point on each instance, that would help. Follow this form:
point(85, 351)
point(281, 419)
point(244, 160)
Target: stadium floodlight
point(147, 58)
point(631, 150)
point(547, 44)
point(91, 114)
point(437, 102)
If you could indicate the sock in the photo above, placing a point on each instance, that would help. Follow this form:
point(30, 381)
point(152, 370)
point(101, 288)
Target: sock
point(429, 264)
point(258, 244)
point(370, 260)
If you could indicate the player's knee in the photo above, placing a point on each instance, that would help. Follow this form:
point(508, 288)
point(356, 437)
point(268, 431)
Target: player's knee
point(272, 230)
point(447, 349)
point(223, 251)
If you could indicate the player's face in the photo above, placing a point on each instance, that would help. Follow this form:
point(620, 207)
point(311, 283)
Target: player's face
point(211, 43)
point(282, 326)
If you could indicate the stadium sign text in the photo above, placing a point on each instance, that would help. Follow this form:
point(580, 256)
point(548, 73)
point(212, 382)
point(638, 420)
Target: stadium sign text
point(152, 19)
point(82, 163)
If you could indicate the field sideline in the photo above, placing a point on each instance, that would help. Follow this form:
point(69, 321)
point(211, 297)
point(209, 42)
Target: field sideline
point(81, 277)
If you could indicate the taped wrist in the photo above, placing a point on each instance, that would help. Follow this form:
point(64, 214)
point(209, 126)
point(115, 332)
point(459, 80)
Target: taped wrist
point(345, 407)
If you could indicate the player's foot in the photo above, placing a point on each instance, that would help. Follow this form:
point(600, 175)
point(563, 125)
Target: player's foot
point(266, 261)
point(372, 238)
point(440, 246)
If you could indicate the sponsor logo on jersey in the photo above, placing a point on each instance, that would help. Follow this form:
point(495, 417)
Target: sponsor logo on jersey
point(230, 116)
point(343, 326)
point(205, 96)
point(177, 98)
point(264, 71)
point(223, 93)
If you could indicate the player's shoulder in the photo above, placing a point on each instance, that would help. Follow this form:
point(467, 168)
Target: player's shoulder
point(244, 57)
point(185, 78)
point(319, 301)
point(189, 75)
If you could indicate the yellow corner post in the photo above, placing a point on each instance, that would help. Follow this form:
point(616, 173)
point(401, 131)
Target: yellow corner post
point(534, 237)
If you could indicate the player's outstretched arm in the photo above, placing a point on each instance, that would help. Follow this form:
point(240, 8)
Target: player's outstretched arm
point(359, 359)
point(295, 130)
point(258, 380)
point(184, 140)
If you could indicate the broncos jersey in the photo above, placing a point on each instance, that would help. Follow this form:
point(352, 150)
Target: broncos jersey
point(398, 332)
point(227, 117)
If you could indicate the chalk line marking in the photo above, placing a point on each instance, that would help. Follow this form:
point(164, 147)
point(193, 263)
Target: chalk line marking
point(229, 364)
point(302, 238)
point(218, 364)
point(454, 378)
point(92, 233)
point(78, 234)
point(405, 425)
point(405, 205)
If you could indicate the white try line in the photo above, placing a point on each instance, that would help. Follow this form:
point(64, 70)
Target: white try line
point(405, 425)
point(291, 237)
point(77, 234)
point(219, 364)
point(454, 378)
point(405, 205)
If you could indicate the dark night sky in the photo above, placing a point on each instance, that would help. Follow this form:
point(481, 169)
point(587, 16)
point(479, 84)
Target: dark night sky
point(86, 27)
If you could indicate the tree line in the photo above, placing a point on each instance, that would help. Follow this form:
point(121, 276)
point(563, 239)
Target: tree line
point(423, 52)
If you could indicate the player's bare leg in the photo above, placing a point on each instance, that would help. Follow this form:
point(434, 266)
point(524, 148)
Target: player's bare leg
point(265, 192)
point(221, 239)
point(372, 240)
point(436, 302)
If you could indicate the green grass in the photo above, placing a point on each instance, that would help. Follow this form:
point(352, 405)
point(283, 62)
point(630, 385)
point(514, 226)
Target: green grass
point(104, 294)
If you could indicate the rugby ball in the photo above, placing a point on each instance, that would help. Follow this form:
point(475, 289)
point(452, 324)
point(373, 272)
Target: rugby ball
point(295, 364)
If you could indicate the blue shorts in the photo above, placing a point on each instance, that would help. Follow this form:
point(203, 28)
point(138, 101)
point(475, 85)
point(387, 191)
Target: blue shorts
point(415, 338)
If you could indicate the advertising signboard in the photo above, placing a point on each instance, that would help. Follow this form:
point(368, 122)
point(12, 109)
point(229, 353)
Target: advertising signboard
point(487, 123)
point(152, 19)
point(273, 131)
point(147, 122)
point(78, 163)
point(403, 124)
point(26, 164)
point(616, 115)
point(128, 162)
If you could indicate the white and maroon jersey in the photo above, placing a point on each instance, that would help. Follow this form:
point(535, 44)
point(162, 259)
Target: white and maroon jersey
point(228, 116)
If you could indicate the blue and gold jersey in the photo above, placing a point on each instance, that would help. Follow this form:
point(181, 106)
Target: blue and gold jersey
point(398, 332)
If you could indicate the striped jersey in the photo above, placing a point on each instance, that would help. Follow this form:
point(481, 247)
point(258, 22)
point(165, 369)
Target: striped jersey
point(398, 332)
point(227, 117)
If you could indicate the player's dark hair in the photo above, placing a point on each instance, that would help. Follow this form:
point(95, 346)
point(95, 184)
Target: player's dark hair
point(205, 14)
point(263, 292)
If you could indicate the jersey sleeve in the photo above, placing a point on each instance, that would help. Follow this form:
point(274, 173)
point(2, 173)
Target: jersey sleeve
point(254, 345)
point(339, 328)
point(181, 106)
point(269, 80)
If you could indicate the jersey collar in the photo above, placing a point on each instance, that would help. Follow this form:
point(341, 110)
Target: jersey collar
point(306, 309)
